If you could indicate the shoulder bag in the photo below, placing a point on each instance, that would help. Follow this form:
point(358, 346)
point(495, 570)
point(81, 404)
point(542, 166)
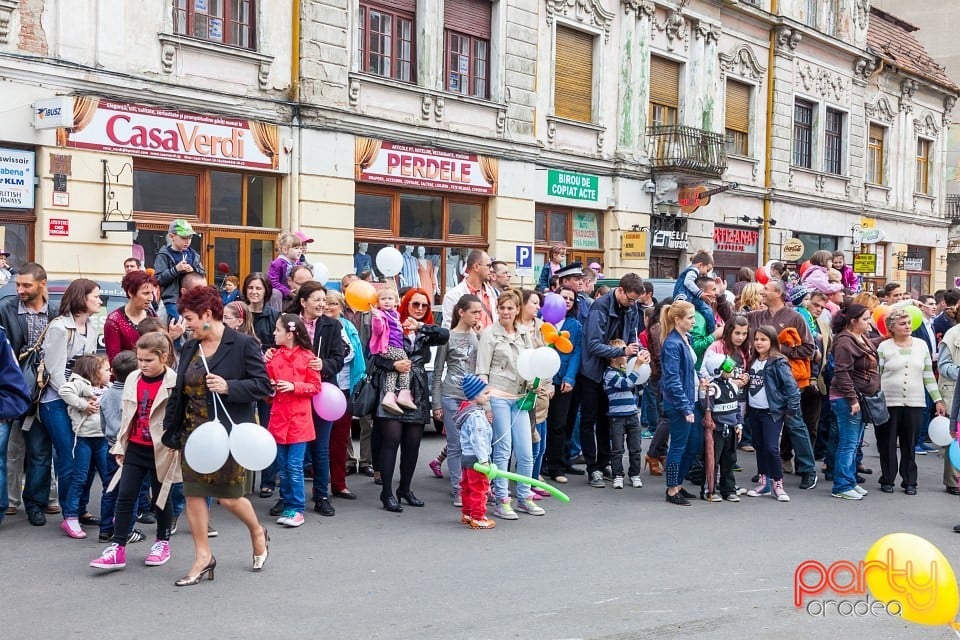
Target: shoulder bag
point(364, 397)
point(873, 408)
point(34, 371)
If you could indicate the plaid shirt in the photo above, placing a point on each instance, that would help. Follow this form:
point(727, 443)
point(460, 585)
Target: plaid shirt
point(36, 322)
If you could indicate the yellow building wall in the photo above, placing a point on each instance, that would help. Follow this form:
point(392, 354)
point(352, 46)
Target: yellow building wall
point(326, 214)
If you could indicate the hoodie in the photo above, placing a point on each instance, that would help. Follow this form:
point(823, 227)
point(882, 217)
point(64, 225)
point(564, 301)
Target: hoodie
point(800, 367)
point(476, 434)
point(856, 367)
point(816, 277)
point(77, 394)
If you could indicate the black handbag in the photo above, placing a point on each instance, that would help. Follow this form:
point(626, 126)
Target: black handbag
point(35, 371)
point(172, 438)
point(874, 408)
point(364, 397)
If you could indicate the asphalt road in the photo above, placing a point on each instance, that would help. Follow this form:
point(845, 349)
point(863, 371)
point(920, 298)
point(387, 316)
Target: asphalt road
point(610, 565)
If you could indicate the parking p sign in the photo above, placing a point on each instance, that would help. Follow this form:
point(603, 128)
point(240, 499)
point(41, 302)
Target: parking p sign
point(525, 260)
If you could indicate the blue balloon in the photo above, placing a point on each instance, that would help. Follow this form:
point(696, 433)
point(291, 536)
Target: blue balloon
point(954, 452)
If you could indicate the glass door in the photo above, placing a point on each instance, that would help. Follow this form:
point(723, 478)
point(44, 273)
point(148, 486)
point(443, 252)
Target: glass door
point(234, 253)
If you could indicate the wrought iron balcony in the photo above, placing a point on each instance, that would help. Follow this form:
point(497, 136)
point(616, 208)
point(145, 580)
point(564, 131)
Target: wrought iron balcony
point(951, 209)
point(687, 150)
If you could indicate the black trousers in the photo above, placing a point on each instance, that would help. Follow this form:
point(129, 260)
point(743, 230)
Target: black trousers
point(724, 459)
point(594, 425)
point(138, 463)
point(559, 432)
point(902, 428)
point(393, 435)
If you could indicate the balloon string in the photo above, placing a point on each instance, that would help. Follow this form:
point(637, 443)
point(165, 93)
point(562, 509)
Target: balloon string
point(216, 396)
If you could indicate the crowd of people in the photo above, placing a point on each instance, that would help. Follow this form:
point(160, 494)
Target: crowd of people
point(788, 366)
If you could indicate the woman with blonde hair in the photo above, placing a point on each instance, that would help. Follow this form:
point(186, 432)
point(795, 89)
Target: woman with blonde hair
point(750, 299)
point(678, 385)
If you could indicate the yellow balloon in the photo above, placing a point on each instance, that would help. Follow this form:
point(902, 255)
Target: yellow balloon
point(910, 570)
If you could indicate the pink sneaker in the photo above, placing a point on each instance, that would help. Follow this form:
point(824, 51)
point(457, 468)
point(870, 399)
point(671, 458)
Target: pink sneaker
point(114, 557)
point(543, 493)
point(159, 554)
point(536, 497)
point(71, 527)
point(436, 468)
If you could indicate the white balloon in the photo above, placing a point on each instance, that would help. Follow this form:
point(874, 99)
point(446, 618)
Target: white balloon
point(525, 365)
point(208, 447)
point(546, 362)
point(389, 261)
point(252, 446)
point(643, 373)
point(631, 363)
point(939, 431)
point(320, 273)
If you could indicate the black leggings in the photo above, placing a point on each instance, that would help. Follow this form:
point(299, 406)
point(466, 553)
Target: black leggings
point(138, 463)
point(389, 436)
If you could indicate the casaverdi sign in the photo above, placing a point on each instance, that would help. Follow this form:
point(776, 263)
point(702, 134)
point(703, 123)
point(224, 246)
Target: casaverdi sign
point(573, 186)
point(16, 179)
point(154, 132)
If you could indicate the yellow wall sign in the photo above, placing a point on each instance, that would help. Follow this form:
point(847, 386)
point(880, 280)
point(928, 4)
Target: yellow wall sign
point(865, 263)
point(633, 245)
point(868, 223)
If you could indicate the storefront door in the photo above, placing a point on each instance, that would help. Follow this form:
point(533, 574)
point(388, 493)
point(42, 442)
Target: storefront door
point(231, 253)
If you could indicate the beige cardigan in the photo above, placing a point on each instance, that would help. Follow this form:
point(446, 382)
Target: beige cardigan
point(166, 460)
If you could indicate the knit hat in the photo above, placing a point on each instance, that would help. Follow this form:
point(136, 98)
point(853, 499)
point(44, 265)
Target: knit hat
point(472, 386)
point(181, 228)
point(797, 294)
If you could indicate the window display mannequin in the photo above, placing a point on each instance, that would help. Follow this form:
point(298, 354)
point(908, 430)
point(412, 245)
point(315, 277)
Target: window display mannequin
point(427, 272)
point(454, 268)
point(361, 261)
point(410, 273)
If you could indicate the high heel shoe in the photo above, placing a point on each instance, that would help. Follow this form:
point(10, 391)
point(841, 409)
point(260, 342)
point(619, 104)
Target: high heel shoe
point(411, 499)
point(207, 571)
point(391, 504)
point(653, 464)
point(259, 561)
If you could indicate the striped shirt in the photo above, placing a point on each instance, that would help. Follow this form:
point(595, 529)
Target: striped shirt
point(621, 391)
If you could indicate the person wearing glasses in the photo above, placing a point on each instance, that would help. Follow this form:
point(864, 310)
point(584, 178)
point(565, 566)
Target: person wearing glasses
point(499, 276)
point(475, 282)
point(614, 315)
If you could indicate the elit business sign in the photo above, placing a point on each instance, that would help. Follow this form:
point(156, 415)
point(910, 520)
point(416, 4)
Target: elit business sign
point(572, 186)
point(17, 170)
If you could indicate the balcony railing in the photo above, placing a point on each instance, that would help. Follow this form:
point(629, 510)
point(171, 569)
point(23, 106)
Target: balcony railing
point(952, 208)
point(687, 150)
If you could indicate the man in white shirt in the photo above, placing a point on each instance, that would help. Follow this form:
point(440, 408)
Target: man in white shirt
point(476, 282)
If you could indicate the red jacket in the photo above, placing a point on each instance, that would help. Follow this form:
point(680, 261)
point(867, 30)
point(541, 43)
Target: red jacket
point(291, 419)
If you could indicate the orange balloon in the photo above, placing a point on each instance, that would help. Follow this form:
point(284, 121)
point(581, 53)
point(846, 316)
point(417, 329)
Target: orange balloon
point(563, 344)
point(880, 312)
point(549, 332)
point(361, 296)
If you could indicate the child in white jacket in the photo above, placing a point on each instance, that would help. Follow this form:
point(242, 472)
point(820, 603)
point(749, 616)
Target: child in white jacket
point(89, 378)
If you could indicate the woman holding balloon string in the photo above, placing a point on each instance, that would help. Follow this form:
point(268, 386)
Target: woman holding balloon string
point(556, 461)
point(533, 325)
point(220, 376)
point(403, 432)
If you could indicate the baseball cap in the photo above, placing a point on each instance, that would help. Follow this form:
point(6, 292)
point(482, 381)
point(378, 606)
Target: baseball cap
point(181, 228)
point(4, 252)
point(304, 238)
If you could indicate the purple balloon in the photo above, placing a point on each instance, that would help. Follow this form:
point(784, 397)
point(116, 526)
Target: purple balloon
point(554, 308)
point(330, 404)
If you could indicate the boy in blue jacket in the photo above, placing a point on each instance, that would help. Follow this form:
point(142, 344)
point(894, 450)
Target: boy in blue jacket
point(621, 388)
point(700, 265)
point(476, 436)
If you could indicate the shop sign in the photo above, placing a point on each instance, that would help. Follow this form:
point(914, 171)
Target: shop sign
point(60, 226)
point(871, 235)
point(168, 134)
point(573, 186)
point(670, 240)
point(792, 250)
point(423, 168)
point(913, 264)
point(17, 171)
point(735, 240)
point(633, 245)
point(586, 233)
point(53, 113)
point(953, 246)
point(865, 263)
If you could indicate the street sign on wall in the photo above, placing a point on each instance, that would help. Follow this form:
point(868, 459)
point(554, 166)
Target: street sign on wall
point(572, 186)
point(865, 263)
point(524, 260)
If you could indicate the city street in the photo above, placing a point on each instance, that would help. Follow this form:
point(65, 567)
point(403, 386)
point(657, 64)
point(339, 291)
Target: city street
point(614, 565)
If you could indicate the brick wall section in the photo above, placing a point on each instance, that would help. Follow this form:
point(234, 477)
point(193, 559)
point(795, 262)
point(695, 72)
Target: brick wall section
point(520, 61)
point(32, 37)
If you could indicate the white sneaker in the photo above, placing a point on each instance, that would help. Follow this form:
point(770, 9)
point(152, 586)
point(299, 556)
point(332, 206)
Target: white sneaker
point(636, 482)
point(530, 507)
point(457, 501)
point(618, 482)
point(849, 494)
point(860, 490)
point(505, 511)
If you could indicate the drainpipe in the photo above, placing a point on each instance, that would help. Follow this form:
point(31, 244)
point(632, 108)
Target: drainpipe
point(293, 219)
point(294, 50)
point(768, 153)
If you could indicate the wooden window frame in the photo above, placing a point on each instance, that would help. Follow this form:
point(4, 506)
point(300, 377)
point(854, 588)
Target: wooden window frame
point(567, 212)
point(392, 235)
point(738, 138)
point(922, 182)
point(802, 135)
point(185, 17)
point(833, 141)
point(394, 60)
point(473, 81)
point(875, 173)
point(664, 112)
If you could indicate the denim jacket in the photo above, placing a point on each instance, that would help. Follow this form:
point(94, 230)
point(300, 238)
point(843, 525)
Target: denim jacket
point(678, 378)
point(570, 362)
point(783, 395)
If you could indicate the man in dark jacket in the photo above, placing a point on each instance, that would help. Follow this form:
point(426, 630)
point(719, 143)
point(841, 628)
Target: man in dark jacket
point(614, 315)
point(14, 402)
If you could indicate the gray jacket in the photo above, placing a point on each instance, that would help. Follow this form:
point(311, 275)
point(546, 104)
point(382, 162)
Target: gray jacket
point(458, 357)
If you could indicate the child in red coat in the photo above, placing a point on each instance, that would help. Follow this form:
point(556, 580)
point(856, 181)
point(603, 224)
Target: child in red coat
point(291, 421)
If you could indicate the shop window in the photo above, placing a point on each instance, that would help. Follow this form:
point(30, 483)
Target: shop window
point(833, 142)
point(372, 211)
point(387, 45)
point(17, 238)
point(803, 134)
point(737, 118)
point(573, 75)
point(813, 242)
point(664, 91)
point(421, 216)
point(466, 219)
point(163, 192)
point(579, 231)
point(922, 184)
point(226, 198)
point(467, 25)
point(262, 201)
point(875, 143)
point(225, 21)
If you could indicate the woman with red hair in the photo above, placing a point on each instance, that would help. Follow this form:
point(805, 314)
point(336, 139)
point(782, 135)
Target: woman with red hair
point(390, 431)
point(121, 329)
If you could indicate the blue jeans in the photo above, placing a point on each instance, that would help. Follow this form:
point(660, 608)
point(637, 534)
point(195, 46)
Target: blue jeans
point(649, 408)
point(686, 439)
point(511, 429)
point(88, 453)
point(4, 440)
point(849, 434)
point(539, 448)
point(289, 466)
point(450, 406)
point(50, 440)
point(177, 500)
point(575, 449)
point(319, 452)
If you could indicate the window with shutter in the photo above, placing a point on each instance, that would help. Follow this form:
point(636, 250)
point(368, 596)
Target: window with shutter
point(573, 75)
point(737, 120)
point(875, 154)
point(467, 30)
point(664, 91)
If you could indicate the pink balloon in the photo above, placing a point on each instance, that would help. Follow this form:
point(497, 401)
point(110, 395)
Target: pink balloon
point(330, 404)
